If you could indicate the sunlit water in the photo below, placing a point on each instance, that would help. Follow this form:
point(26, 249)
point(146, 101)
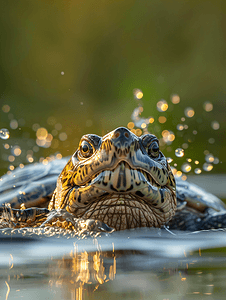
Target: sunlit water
point(134, 264)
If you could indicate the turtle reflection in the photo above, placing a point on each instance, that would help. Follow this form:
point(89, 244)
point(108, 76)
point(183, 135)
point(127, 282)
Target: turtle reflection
point(84, 271)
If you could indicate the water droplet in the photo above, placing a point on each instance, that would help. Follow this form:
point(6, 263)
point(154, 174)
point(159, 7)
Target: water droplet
point(198, 171)
point(162, 105)
point(208, 106)
point(189, 112)
point(30, 159)
point(5, 108)
point(6, 146)
point(182, 119)
point(211, 140)
point(186, 167)
point(175, 99)
point(194, 132)
point(209, 158)
point(178, 174)
point(62, 73)
point(168, 136)
point(138, 132)
point(16, 150)
point(207, 167)
point(185, 126)
point(188, 159)
point(179, 152)
point(4, 133)
point(13, 124)
point(215, 125)
point(35, 126)
point(180, 127)
point(42, 133)
point(62, 136)
point(11, 158)
point(58, 156)
point(162, 119)
point(138, 94)
point(169, 159)
point(185, 146)
point(196, 162)
point(54, 132)
point(216, 160)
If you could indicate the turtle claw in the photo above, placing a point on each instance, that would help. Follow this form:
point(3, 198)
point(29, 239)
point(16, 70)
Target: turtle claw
point(59, 218)
point(66, 220)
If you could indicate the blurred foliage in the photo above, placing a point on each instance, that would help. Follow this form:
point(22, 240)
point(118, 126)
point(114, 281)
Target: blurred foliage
point(105, 49)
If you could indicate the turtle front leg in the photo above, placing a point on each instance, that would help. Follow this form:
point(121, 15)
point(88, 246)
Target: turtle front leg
point(17, 218)
point(64, 219)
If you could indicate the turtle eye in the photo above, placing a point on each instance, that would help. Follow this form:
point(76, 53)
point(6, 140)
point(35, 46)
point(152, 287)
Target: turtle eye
point(86, 149)
point(153, 149)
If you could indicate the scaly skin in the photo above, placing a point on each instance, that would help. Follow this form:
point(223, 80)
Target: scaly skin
point(120, 179)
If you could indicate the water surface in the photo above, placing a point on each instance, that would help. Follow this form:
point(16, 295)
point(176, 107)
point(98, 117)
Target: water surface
point(131, 264)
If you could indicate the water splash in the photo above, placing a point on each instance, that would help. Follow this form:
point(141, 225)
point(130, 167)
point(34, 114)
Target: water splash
point(140, 125)
point(208, 106)
point(162, 105)
point(175, 99)
point(198, 171)
point(180, 127)
point(4, 133)
point(215, 125)
point(207, 167)
point(138, 94)
point(186, 167)
point(209, 158)
point(189, 112)
point(179, 152)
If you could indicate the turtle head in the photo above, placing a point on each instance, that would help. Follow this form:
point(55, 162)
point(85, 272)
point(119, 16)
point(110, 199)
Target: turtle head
point(121, 179)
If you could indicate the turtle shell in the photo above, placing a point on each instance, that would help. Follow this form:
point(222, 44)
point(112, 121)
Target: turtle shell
point(196, 197)
point(33, 185)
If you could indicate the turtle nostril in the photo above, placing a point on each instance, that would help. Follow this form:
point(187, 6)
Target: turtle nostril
point(126, 135)
point(117, 134)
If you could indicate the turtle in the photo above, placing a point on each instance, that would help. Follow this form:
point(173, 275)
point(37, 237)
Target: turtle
point(121, 179)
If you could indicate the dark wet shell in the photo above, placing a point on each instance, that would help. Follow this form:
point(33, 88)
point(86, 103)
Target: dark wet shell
point(31, 183)
point(197, 197)
point(38, 181)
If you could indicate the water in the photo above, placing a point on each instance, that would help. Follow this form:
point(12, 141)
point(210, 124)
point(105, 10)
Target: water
point(132, 264)
point(4, 133)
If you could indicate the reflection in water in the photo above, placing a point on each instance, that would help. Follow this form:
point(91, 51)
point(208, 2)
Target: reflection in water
point(149, 262)
point(8, 290)
point(83, 271)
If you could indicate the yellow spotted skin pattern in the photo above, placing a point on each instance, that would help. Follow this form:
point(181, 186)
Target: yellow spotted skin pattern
point(120, 179)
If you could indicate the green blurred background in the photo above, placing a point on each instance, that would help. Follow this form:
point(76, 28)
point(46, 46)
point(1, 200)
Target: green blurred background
point(76, 64)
